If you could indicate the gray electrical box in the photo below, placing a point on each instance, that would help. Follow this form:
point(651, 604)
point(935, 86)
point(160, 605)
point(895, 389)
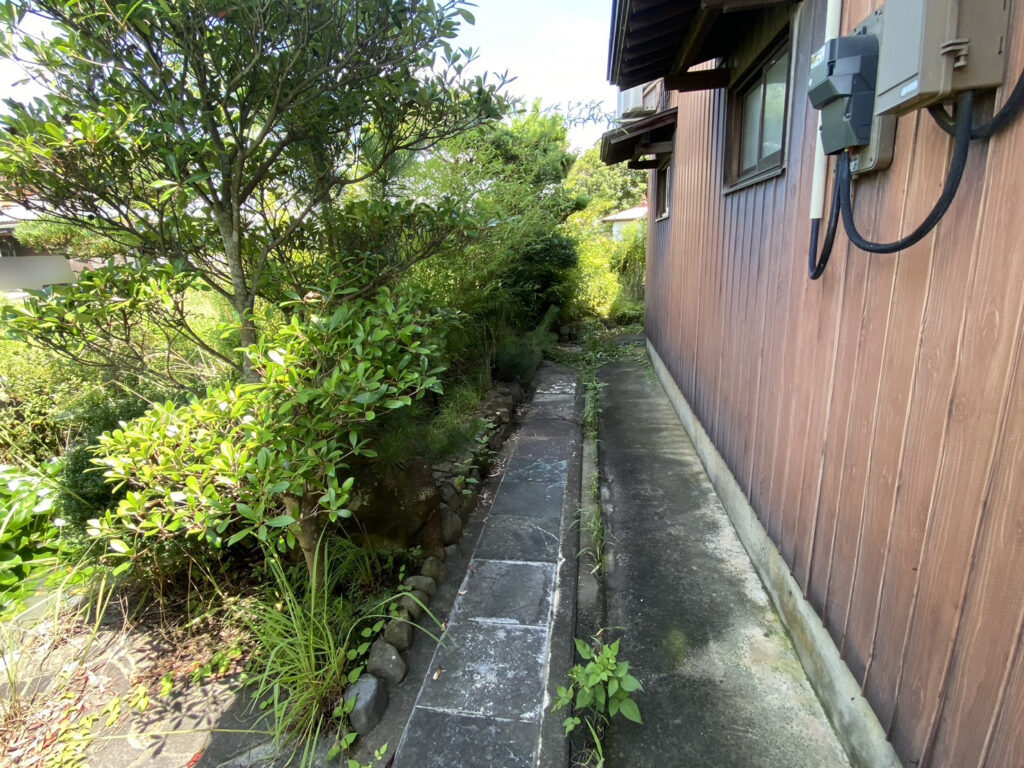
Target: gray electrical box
point(842, 86)
point(935, 48)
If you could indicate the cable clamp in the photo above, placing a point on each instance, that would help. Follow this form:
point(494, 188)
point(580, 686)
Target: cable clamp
point(958, 48)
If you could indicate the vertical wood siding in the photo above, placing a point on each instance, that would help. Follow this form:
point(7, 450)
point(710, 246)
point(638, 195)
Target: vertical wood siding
point(875, 418)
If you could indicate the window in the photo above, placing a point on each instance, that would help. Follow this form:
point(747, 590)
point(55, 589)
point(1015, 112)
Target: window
point(662, 189)
point(757, 120)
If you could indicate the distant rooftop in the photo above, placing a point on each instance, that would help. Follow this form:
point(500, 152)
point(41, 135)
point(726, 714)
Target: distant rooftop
point(629, 214)
point(11, 215)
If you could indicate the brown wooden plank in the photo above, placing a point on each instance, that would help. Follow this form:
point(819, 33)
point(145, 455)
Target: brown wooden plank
point(987, 347)
point(692, 262)
point(887, 224)
point(784, 499)
point(1006, 745)
point(754, 332)
point(745, 357)
point(794, 238)
point(994, 607)
point(906, 312)
point(708, 229)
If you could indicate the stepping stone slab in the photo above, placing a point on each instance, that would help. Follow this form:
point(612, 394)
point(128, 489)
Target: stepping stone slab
point(511, 537)
point(466, 742)
point(536, 469)
point(511, 593)
point(529, 499)
point(494, 670)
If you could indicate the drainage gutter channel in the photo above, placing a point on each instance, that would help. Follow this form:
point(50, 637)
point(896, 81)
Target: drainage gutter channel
point(486, 698)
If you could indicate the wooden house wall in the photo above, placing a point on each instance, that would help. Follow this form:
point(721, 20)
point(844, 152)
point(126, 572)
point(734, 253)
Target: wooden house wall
point(875, 418)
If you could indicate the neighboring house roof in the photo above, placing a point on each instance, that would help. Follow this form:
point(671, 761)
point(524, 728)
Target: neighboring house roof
point(664, 38)
point(22, 268)
point(629, 214)
point(11, 215)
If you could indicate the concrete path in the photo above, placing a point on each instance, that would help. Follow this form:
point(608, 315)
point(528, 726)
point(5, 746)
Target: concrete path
point(485, 699)
point(723, 685)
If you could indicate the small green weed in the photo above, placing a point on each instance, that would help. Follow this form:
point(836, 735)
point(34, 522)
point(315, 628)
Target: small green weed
point(598, 690)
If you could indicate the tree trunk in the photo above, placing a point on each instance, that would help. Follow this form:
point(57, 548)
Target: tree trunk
point(308, 532)
point(242, 298)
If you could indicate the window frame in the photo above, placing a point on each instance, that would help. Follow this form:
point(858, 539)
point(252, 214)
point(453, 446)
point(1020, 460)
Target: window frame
point(663, 182)
point(771, 165)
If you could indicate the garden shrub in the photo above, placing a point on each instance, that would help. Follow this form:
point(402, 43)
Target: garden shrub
point(595, 283)
point(266, 460)
point(629, 260)
point(28, 537)
point(84, 492)
point(539, 278)
point(610, 273)
point(37, 394)
point(130, 325)
point(517, 358)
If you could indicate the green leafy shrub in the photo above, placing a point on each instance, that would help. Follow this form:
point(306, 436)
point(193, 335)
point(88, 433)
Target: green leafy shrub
point(629, 260)
point(610, 273)
point(37, 392)
point(84, 492)
point(627, 312)
point(517, 358)
point(539, 278)
point(595, 283)
point(29, 538)
point(266, 460)
point(127, 324)
point(516, 263)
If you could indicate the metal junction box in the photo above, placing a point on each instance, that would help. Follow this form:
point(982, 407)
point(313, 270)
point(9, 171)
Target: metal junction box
point(842, 86)
point(935, 48)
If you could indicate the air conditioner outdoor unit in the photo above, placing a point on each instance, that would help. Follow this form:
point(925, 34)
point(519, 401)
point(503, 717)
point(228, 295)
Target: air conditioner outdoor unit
point(631, 103)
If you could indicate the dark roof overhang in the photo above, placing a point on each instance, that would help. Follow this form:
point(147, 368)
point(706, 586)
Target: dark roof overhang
point(664, 38)
point(640, 138)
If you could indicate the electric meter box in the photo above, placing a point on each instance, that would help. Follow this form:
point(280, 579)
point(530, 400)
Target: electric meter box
point(935, 48)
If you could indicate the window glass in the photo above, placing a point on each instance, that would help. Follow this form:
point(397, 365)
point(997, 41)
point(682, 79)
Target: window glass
point(661, 192)
point(751, 129)
point(774, 105)
point(756, 119)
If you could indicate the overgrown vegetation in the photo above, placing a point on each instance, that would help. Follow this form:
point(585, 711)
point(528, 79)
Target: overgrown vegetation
point(608, 282)
point(315, 247)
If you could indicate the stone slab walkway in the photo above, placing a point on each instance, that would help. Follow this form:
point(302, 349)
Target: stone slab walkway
point(723, 684)
point(485, 699)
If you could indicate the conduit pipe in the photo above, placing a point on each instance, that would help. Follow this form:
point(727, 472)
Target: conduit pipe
point(833, 16)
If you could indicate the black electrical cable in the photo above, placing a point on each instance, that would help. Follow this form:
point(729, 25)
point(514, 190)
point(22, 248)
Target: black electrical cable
point(964, 118)
point(816, 264)
point(1010, 109)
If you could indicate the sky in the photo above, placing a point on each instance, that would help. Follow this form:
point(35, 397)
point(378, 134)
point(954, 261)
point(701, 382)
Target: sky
point(556, 49)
